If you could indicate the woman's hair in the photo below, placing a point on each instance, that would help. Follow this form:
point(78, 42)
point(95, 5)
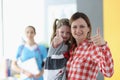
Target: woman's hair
point(32, 28)
point(59, 23)
point(76, 16)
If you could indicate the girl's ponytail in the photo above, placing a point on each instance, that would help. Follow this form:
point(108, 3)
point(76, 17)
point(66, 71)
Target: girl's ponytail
point(54, 28)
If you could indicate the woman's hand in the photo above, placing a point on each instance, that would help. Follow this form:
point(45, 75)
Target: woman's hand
point(28, 74)
point(97, 39)
point(39, 74)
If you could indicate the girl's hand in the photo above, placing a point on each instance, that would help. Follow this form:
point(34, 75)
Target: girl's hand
point(57, 40)
point(97, 39)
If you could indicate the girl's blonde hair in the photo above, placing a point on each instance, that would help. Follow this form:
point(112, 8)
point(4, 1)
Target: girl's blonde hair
point(57, 24)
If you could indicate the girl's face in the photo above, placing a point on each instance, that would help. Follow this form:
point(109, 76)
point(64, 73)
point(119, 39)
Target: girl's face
point(30, 33)
point(79, 29)
point(64, 32)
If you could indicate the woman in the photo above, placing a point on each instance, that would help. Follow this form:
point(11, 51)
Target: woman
point(88, 54)
point(30, 51)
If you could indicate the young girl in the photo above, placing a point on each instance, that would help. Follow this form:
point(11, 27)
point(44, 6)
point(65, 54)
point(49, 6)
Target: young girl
point(27, 51)
point(57, 54)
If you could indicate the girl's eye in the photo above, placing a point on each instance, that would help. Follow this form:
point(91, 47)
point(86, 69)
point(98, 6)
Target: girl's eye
point(74, 26)
point(68, 33)
point(62, 32)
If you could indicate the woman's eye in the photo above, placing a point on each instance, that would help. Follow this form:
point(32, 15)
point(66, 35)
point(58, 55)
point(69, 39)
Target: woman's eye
point(82, 26)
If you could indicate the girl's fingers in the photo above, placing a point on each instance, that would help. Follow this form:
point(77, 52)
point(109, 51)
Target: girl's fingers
point(57, 33)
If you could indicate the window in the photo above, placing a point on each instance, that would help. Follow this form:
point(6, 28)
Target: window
point(17, 14)
point(58, 9)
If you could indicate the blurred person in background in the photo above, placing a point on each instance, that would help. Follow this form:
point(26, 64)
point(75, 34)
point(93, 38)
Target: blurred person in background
point(30, 49)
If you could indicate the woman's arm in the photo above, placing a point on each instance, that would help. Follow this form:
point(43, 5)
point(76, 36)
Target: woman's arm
point(106, 64)
point(103, 57)
point(39, 74)
point(16, 68)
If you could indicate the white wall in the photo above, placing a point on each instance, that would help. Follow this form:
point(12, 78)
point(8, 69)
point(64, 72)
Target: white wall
point(94, 10)
point(1, 49)
point(17, 14)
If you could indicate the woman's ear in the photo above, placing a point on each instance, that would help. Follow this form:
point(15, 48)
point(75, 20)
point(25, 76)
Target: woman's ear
point(88, 35)
point(88, 30)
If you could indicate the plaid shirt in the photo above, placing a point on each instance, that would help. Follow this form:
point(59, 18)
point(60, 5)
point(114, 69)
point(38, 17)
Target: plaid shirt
point(87, 59)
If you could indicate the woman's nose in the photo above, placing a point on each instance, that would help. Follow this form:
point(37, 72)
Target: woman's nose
point(78, 30)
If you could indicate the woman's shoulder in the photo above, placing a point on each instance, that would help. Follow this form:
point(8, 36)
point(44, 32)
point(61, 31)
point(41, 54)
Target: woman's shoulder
point(41, 46)
point(21, 45)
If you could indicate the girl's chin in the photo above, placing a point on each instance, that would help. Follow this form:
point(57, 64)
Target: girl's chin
point(64, 40)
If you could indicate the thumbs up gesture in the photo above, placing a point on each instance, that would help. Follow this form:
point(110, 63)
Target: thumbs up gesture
point(97, 39)
point(57, 40)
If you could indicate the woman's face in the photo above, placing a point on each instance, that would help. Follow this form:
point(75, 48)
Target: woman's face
point(64, 32)
point(30, 33)
point(79, 29)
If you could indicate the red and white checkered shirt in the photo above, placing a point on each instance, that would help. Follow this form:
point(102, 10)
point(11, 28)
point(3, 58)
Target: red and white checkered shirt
point(87, 60)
